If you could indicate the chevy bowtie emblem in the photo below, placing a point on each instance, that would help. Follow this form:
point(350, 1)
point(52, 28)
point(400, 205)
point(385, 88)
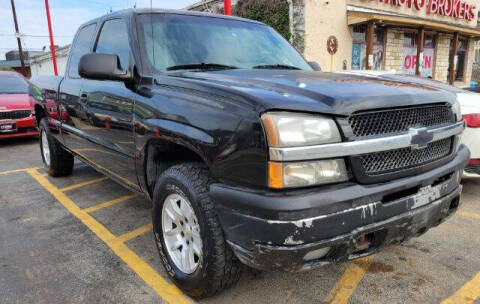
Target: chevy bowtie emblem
point(421, 137)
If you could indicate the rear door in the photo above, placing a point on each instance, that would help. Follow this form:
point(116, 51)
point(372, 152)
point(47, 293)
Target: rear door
point(108, 109)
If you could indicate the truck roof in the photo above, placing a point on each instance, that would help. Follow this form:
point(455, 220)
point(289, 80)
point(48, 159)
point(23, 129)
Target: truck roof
point(139, 11)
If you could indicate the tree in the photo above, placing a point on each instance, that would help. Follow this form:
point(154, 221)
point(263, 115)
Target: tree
point(275, 13)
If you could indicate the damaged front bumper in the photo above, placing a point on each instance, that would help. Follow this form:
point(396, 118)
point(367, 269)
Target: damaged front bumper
point(302, 229)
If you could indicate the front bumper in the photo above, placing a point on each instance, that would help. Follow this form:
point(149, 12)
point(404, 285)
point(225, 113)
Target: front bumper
point(25, 127)
point(280, 230)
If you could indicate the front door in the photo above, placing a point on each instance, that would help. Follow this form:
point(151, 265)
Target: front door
point(108, 108)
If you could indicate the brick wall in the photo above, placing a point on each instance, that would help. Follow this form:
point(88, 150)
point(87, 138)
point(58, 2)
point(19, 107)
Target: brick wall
point(470, 60)
point(209, 6)
point(441, 61)
point(394, 50)
point(297, 24)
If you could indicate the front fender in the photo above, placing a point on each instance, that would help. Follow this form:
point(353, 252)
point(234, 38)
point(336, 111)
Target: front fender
point(227, 136)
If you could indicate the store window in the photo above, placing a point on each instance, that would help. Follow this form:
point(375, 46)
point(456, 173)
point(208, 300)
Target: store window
point(410, 46)
point(359, 48)
point(460, 59)
point(477, 56)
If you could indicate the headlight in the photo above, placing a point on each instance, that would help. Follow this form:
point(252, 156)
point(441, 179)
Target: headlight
point(285, 129)
point(301, 174)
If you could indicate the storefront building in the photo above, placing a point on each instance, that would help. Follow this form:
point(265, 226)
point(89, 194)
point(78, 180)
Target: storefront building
point(385, 35)
point(391, 35)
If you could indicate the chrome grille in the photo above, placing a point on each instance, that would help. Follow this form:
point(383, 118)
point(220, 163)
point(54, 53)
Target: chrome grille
point(17, 114)
point(403, 159)
point(400, 119)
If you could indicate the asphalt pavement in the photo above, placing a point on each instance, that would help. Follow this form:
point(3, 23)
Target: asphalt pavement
point(85, 239)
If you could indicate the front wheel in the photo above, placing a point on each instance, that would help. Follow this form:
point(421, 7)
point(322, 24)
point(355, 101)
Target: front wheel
point(189, 238)
point(57, 160)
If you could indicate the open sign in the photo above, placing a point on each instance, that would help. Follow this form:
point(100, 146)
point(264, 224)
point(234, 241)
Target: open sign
point(410, 61)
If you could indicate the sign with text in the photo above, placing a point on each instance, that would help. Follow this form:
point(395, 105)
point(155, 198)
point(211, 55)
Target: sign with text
point(332, 45)
point(458, 9)
point(410, 61)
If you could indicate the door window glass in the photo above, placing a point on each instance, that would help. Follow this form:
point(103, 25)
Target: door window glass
point(114, 40)
point(80, 47)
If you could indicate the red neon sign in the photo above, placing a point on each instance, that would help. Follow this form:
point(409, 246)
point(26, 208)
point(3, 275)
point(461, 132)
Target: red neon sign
point(458, 9)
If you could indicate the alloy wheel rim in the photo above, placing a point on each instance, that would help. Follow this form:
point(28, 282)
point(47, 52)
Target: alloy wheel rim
point(45, 149)
point(181, 233)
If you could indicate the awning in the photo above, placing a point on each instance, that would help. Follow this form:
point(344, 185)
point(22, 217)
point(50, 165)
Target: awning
point(357, 15)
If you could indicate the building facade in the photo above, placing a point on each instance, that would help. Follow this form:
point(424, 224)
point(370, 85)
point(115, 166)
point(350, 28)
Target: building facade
point(392, 34)
point(12, 61)
point(42, 65)
point(386, 35)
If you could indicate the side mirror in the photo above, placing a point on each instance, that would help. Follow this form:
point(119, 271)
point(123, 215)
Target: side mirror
point(102, 67)
point(315, 66)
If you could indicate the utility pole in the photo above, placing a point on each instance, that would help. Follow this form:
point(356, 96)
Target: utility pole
point(52, 45)
point(17, 34)
point(227, 7)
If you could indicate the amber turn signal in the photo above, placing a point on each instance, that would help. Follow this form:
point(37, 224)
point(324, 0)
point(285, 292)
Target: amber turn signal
point(275, 175)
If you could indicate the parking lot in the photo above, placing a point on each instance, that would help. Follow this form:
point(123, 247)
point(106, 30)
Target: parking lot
point(86, 239)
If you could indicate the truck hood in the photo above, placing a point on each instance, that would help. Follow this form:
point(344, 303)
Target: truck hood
point(15, 102)
point(340, 94)
point(469, 101)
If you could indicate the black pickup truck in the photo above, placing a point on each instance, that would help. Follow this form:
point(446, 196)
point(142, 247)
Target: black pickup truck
point(248, 153)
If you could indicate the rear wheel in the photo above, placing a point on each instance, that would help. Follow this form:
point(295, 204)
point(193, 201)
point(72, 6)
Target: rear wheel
point(57, 160)
point(189, 238)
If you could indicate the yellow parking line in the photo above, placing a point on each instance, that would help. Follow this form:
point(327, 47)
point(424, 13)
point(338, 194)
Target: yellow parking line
point(110, 203)
point(469, 214)
point(79, 185)
point(16, 171)
point(133, 234)
point(467, 294)
point(167, 291)
point(343, 290)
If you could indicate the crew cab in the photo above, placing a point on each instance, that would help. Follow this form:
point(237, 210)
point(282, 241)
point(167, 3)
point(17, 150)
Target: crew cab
point(247, 152)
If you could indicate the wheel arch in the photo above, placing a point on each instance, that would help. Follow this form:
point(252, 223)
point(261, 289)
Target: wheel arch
point(161, 154)
point(40, 113)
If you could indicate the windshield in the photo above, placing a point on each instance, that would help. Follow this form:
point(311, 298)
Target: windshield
point(13, 85)
point(179, 41)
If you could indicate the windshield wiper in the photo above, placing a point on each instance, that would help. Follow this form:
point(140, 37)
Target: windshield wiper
point(277, 67)
point(202, 66)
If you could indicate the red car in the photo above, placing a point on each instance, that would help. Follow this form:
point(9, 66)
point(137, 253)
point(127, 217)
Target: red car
point(17, 100)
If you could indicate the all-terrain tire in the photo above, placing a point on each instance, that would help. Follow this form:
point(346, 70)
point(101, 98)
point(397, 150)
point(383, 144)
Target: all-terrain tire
point(219, 268)
point(58, 161)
